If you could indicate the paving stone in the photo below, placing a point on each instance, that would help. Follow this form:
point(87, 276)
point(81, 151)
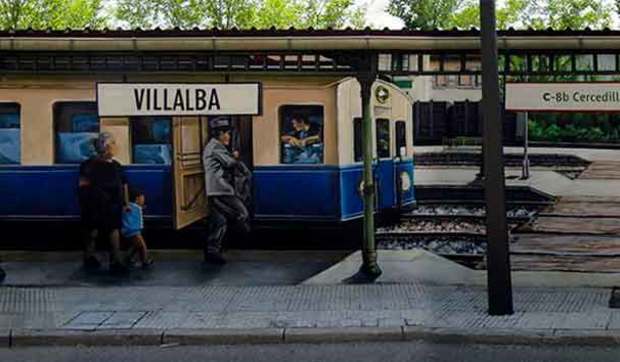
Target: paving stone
point(389, 322)
point(340, 323)
point(538, 320)
point(292, 323)
point(594, 320)
point(5, 338)
point(499, 322)
point(7, 320)
point(354, 334)
point(89, 319)
point(36, 321)
point(416, 317)
point(614, 320)
point(588, 337)
point(27, 300)
point(122, 320)
point(333, 306)
point(163, 320)
point(223, 336)
point(55, 337)
point(371, 322)
point(244, 320)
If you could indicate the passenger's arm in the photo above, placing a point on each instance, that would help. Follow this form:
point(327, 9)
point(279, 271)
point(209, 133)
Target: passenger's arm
point(126, 196)
point(289, 139)
point(311, 140)
point(225, 158)
point(83, 179)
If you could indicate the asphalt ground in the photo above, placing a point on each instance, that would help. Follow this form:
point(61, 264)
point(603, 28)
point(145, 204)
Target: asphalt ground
point(66, 236)
point(359, 352)
point(171, 268)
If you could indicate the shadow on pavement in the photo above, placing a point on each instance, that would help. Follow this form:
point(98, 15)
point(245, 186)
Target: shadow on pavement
point(243, 269)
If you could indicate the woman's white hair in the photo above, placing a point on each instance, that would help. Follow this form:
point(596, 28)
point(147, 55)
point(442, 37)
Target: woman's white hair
point(103, 141)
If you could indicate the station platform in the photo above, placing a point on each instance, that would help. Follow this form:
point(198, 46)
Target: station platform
point(601, 177)
point(588, 154)
point(579, 233)
point(420, 296)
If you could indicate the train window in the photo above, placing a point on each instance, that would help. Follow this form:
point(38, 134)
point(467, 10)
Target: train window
point(584, 62)
point(151, 140)
point(9, 133)
point(301, 128)
point(383, 138)
point(76, 126)
point(606, 62)
point(358, 152)
point(401, 138)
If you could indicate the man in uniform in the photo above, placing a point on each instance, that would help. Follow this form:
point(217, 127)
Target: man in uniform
point(225, 205)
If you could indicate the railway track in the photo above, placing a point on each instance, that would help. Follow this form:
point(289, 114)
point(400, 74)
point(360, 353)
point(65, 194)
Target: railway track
point(464, 217)
point(450, 221)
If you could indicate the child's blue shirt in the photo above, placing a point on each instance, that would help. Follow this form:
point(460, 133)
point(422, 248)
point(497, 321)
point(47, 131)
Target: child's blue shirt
point(132, 221)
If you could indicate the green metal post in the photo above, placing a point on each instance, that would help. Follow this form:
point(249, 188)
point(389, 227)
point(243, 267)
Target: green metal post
point(369, 269)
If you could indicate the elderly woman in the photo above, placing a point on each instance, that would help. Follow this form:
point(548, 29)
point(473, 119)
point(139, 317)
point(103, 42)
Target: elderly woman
point(102, 193)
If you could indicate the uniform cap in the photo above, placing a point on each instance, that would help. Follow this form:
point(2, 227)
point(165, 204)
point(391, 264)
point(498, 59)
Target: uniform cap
point(219, 122)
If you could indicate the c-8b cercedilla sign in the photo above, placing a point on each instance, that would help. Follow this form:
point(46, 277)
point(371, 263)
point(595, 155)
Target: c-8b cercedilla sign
point(563, 97)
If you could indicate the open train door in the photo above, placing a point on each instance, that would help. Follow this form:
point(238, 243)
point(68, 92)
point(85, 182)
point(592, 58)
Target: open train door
point(190, 201)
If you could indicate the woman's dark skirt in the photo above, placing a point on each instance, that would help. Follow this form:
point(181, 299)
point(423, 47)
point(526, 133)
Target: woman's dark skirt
point(97, 211)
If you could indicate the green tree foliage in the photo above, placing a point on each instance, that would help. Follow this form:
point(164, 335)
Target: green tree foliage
point(574, 14)
point(538, 14)
point(55, 14)
point(277, 13)
point(425, 14)
point(510, 13)
point(328, 13)
point(240, 13)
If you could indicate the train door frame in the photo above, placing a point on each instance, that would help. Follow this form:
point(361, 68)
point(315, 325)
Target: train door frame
point(188, 179)
point(242, 138)
point(379, 199)
point(398, 131)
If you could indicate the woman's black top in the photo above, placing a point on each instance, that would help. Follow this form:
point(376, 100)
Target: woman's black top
point(101, 200)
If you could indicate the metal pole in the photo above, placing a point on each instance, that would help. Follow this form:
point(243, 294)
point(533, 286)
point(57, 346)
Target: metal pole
point(525, 174)
point(369, 269)
point(498, 261)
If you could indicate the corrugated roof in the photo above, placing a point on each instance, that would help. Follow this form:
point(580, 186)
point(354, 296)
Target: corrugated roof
point(291, 32)
point(300, 40)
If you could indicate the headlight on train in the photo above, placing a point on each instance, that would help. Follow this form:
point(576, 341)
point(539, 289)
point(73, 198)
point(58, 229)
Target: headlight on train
point(405, 181)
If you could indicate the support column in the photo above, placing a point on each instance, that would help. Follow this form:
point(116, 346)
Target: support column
point(498, 261)
point(369, 269)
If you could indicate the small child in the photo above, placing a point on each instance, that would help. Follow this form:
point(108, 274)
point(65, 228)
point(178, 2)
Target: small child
point(132, 228)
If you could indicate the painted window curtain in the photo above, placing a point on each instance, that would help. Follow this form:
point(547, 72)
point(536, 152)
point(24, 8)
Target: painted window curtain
point(76, 127)
point(151, 140)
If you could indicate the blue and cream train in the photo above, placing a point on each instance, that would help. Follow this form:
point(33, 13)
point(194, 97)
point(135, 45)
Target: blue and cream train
point(47, 122)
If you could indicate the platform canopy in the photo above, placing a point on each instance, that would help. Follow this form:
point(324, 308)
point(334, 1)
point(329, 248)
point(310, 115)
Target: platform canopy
point(346, 52)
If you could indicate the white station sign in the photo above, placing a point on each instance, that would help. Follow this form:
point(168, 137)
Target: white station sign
point(563, 97)
point(168, 99)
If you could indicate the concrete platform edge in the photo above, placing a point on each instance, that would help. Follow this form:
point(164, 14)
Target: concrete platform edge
point(141, 337)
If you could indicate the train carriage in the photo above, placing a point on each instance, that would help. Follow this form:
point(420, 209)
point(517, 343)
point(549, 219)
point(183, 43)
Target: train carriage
point(48, 122)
